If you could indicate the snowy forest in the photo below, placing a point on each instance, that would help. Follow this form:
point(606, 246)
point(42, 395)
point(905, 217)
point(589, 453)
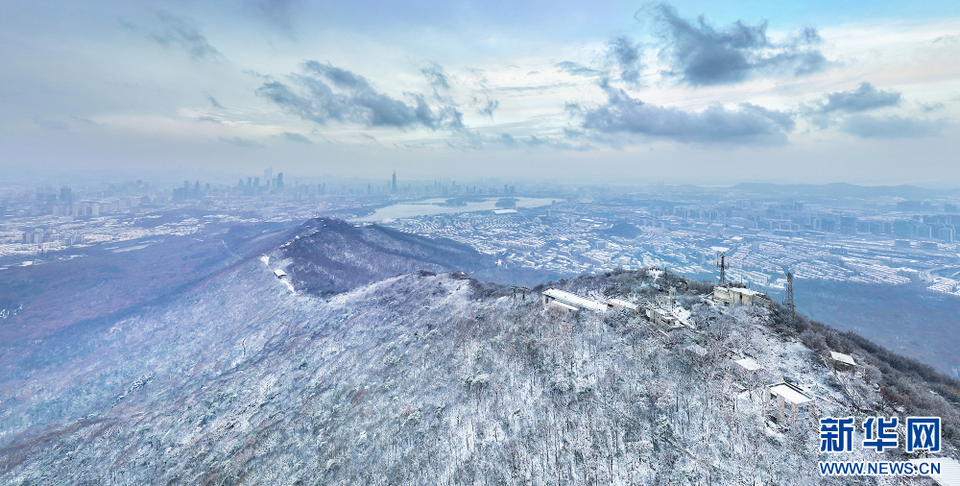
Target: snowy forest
point(438, 378)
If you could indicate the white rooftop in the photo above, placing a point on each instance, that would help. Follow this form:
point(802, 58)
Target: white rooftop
point(790, 394)
point(843, 358)
point(748, 364)
point(574, 300)
point(744, 291)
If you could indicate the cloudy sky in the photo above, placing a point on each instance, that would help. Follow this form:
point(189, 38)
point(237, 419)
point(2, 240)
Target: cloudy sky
point(613, 91)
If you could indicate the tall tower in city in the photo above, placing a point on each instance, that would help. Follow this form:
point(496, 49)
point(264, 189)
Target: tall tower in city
point(393, 186)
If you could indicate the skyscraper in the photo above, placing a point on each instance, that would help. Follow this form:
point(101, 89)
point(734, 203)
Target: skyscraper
point(393, 187)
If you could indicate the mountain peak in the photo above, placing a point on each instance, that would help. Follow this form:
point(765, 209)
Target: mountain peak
point(330, 256)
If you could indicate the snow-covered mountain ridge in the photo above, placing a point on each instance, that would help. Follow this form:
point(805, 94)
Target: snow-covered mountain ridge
point(427, 378)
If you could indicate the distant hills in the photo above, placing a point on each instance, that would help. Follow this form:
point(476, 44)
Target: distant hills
point(331, 256)
point(846, 190)
point(60, 302)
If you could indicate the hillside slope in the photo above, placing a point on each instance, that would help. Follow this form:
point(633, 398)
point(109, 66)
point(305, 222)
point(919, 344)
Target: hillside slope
point(59, 302)
point(330, 256)
point(440, 379)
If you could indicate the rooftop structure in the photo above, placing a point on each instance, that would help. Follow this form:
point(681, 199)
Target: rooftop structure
point(736, 295)
point(790, 393)
point(556, 304)
point(663, 318)
point(279, 273)
point(568, 300)
point(748, 364)
point(789, 402)
point(842, 361)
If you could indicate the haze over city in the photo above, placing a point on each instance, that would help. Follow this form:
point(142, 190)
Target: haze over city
point(680, 92)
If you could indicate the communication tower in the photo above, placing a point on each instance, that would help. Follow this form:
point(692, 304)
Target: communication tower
point(788, 299)
point(722, 265)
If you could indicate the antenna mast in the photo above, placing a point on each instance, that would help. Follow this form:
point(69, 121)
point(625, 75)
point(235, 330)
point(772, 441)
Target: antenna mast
point(788, 299)
point(722, 265)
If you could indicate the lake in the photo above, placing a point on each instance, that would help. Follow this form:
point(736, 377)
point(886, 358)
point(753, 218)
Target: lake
point(435, 206)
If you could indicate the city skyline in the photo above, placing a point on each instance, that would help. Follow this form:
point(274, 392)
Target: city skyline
point(678, 92)
point(897, 244)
